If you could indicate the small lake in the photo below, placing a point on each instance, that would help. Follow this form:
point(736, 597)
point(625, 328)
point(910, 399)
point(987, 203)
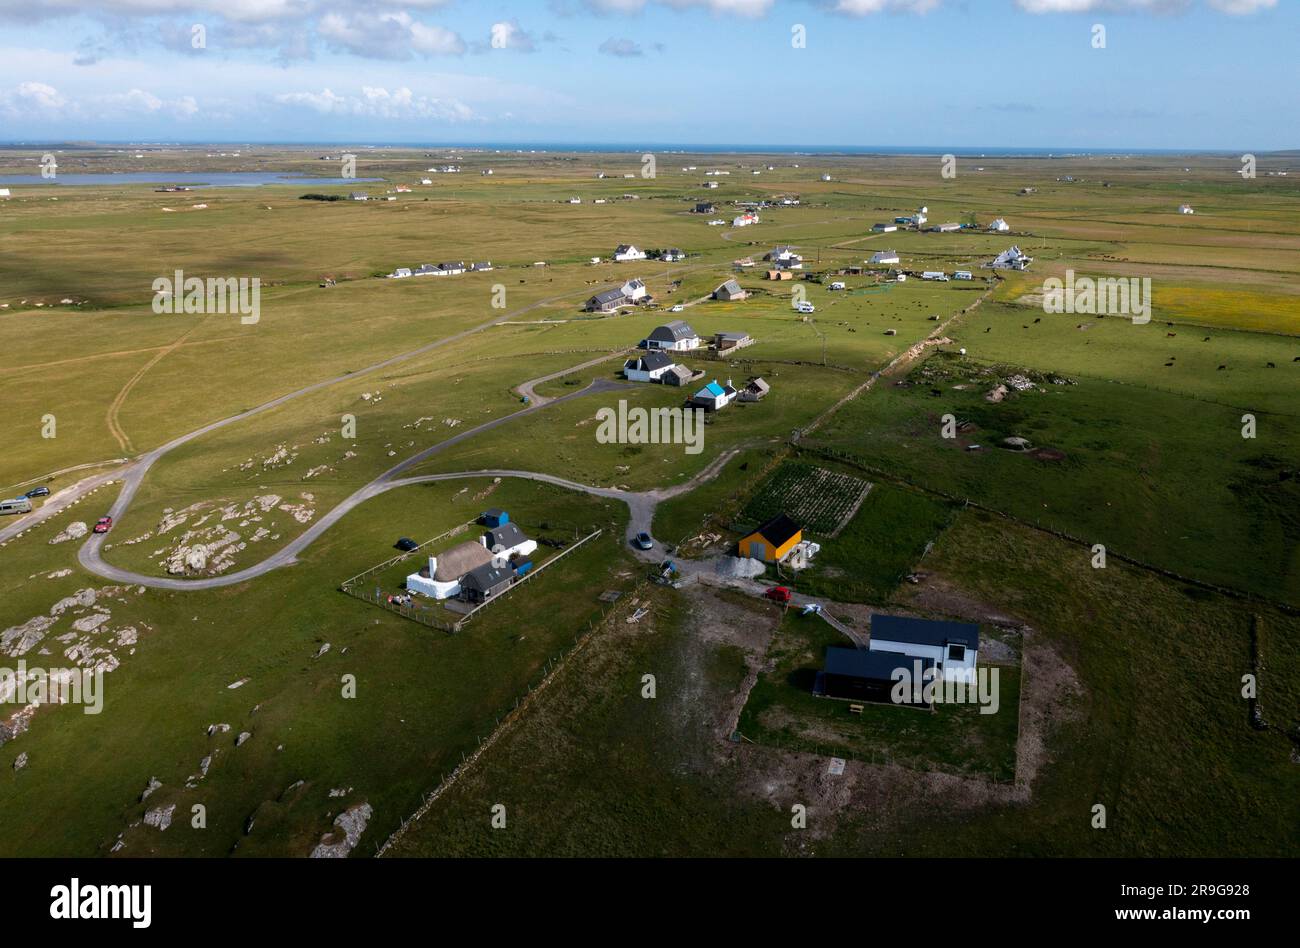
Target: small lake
point(223, 179)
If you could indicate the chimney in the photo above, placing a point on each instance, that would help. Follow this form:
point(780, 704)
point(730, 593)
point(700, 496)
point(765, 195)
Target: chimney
point(433, 566)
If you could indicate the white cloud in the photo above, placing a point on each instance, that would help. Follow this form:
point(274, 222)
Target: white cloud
point(388, 36)
point(378, 102)
point(868, 7)
point(621, 47)
point(745, 8)
point(1242, 7)
point(1104, 6)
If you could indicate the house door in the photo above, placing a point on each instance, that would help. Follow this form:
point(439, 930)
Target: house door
point(758, 550)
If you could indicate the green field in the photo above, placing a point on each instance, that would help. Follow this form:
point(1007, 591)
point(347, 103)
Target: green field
point(1135, 443)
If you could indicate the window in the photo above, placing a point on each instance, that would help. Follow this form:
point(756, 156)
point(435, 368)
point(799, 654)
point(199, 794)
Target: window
point(956, 653)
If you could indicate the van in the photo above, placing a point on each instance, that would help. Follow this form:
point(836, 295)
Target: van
point(805, 307)
point(837, 285)
point(16, 505)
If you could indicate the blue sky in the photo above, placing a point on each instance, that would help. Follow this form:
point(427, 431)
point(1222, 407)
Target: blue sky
point(1212, 74)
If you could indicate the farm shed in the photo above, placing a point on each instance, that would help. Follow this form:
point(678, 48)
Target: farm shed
point(606, 302)
point(755, 391)
point(725, 341)
point(773, 541)
point(677, 375)
point(862, 675)
point(953, 646)
point(729, 291)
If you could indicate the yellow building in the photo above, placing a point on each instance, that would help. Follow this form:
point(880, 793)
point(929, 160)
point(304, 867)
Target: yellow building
point(773, 541)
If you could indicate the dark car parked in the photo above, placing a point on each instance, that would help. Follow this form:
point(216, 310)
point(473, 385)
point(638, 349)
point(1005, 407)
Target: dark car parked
point(406, 545)
point(38, 492)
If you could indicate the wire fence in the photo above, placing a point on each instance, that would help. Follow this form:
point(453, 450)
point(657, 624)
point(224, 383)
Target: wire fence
point(549, 672)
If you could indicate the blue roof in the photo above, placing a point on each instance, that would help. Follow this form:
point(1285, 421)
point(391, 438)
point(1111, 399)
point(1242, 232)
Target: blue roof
point(924, 631)
point(713, 388)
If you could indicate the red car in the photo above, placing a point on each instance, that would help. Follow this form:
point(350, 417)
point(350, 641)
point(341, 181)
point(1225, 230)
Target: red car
point(778, 594)
point(103, 524)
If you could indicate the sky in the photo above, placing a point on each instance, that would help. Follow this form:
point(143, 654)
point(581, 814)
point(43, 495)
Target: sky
point(1069, 74)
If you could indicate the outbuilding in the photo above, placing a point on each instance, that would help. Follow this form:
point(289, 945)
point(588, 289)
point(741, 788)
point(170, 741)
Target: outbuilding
point(773, 541)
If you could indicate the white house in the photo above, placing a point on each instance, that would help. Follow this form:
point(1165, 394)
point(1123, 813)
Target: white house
point(4, 193)
point(884, 228)
point(506, 540)
point(399, 273)
point(714, 396)
point(999, 226)
point(1186, 209)
point(784, 258)
point(885, 256)
point(650, 367)
point(675, 336)
point(952, 646)
point(672, 255)
point(744, 220)
point(440, 579)
point(1013, 259)
point(626, 252)
point(575, 200)
point(635, 290)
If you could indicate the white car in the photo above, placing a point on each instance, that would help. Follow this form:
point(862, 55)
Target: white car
point(677, 309)
point(837, 286)
point(805, 307)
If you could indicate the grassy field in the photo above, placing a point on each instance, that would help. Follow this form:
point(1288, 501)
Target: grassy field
point(1141, 450)
point(782, 710)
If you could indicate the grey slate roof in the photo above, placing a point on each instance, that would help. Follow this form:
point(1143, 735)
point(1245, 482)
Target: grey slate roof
point(924, 631)
point(674, 331)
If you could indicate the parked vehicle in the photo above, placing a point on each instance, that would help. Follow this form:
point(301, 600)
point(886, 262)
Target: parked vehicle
point(644, 541)
point(18, 505)
point(778, 594)
point(406, 545)
point(805, 307)
point(38, 492)
point(103, 524)
point(837, 285)
point(677, 309)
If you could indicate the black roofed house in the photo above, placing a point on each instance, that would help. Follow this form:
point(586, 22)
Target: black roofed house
point(454, 268)
point(649, 367)
point(481, 267)
point(672, 255)
point(952, 646)
point(729, 291)
point(862, 675)
point(607, 302)
point(676, 335)
point(484, 582)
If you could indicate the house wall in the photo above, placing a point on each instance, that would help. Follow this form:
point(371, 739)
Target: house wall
point(963, 670)
point(752, 544)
